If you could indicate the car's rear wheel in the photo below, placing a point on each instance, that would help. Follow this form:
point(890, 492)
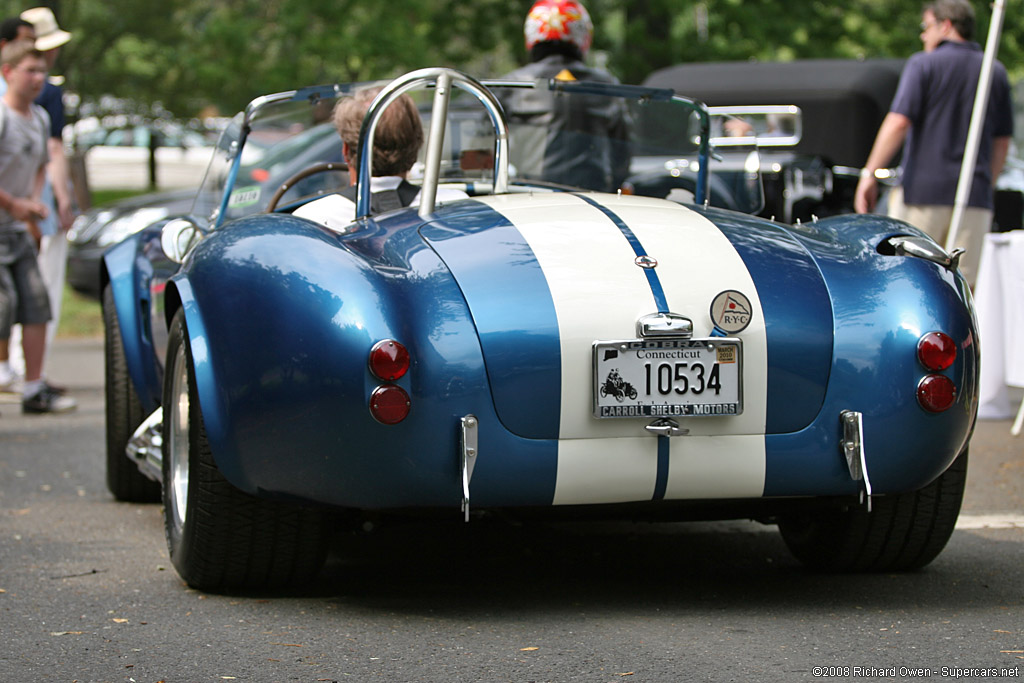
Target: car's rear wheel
point(220, 538)
point(902, 532)
point(124, 414)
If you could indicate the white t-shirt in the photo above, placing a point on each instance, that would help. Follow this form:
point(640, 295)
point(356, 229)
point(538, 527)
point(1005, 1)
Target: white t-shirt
point(336, 212)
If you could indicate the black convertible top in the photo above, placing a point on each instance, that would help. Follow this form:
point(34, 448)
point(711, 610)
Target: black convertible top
point(843, 101)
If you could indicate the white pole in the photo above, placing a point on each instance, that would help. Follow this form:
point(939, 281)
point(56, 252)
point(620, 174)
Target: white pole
point(963, 188)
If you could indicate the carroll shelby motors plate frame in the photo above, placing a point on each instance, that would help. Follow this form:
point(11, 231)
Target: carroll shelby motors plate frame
point(668, 377)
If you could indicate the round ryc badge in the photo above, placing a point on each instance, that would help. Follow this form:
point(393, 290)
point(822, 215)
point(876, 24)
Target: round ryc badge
point(731, 311)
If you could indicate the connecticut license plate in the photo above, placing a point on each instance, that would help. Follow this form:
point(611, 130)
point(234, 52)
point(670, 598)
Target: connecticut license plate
point(668, 377)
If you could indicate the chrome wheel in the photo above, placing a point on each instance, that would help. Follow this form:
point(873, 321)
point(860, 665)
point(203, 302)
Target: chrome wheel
point(177, 450)
point(219, 537)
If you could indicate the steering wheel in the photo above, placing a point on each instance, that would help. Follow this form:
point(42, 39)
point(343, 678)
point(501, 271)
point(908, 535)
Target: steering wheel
point(322, 167)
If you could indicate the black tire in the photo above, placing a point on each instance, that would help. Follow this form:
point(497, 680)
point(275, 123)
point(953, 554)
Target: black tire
point(124, 415)
point(222, 539)
point(902, 532)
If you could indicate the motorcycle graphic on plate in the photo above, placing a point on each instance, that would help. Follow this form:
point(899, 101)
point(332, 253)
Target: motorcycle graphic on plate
point(617, 387)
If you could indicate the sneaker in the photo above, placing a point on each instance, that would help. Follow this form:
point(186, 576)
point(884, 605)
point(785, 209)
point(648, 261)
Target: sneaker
point(12, 385)
point(47, 401)
point(58, 389)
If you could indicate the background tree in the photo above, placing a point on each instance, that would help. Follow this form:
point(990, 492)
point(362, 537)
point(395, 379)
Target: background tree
point(190, 55)
point(652, 34)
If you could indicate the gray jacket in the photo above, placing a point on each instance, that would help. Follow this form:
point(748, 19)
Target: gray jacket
point(580, 141)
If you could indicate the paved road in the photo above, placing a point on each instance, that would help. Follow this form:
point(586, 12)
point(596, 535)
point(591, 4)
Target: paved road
point(88, 593)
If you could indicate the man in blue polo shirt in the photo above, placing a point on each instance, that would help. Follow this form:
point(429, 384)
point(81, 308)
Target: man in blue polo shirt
point(932, 112)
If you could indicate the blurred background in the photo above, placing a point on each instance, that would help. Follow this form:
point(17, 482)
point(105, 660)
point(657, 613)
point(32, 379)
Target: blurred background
point(148, 86)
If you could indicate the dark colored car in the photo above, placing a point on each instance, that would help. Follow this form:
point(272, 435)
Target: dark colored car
point(100, 227)
point(842, 103)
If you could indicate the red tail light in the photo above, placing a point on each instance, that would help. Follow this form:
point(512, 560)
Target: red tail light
point(389, 360)
point(936, 393)
point(936, 351)
point(389, 404)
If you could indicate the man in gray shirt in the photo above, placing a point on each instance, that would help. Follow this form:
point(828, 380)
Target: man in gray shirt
point(24, 129)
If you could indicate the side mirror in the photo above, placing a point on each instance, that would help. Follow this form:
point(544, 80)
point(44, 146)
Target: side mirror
point(178, 237)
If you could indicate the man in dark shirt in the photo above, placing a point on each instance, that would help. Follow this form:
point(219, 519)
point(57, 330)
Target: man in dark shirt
point(932, 112)
point(578, 141)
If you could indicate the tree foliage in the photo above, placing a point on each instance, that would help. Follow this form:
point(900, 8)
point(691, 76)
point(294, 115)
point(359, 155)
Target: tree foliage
point(191, 55)
point(657, 33)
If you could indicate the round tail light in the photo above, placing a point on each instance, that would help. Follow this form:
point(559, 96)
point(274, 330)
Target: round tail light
point(389, 360)
point(389, 404)
point(936, 393)
point(936, 351)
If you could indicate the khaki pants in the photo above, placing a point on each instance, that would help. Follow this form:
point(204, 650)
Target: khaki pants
point(934, 220)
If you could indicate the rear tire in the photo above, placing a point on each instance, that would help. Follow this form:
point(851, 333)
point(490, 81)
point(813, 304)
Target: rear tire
point(902, 532)
point(220, 538)
point(124, 414)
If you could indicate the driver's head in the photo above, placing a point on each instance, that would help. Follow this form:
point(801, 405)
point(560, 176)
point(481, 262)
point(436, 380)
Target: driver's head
point(558, 26)
point(398, 137)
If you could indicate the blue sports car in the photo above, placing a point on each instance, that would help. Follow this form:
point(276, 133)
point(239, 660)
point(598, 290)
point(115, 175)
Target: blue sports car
point(520, 343)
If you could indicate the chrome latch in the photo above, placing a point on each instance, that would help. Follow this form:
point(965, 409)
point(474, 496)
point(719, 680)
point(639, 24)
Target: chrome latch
point(469, 436)
point(666, 427)
point(924, 248)
point(853, 449)
point(665, 325)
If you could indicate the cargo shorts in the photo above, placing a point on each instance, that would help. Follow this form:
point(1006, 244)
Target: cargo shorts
point(23, 297)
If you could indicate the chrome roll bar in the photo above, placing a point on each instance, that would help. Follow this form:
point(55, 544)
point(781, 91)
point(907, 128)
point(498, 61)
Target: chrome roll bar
point(443, 80)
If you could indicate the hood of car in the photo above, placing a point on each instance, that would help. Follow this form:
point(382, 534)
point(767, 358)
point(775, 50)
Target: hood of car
point(105, 225)
point(546, 279)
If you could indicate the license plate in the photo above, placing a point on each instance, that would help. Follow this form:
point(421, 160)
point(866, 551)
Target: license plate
point(668, 378)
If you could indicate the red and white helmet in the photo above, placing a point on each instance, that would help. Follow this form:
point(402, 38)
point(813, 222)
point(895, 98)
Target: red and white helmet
point(559, 20)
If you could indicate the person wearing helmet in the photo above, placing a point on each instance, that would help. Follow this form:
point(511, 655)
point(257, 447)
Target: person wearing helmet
point(582, 143)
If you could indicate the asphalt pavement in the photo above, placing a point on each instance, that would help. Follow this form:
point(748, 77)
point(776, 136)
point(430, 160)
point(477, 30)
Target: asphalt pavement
point(87, 592)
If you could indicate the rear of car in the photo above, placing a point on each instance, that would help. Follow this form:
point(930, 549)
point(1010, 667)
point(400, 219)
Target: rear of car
point(541, 350)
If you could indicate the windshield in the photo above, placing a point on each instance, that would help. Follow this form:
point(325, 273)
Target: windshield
point(561, 136)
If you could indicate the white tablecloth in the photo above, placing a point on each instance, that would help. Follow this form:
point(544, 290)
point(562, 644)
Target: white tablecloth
point(999, 300)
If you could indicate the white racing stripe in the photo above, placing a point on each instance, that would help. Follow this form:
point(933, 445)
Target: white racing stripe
point(599, 293)
point(696, 262)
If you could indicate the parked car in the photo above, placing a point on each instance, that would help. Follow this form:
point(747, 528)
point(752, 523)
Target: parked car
point(95, 230)
point(273, 161)
point(552, 352)
point(842, 103)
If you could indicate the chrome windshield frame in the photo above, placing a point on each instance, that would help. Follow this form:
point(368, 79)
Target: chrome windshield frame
point(444, 80)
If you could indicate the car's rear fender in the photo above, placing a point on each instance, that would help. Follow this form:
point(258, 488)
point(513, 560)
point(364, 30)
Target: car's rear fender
point(129, 273)
point(883, 304)
point(281, 316)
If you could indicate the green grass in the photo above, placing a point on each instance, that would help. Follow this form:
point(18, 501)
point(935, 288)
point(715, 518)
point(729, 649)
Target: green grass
point(80, 316)
point(100, 197)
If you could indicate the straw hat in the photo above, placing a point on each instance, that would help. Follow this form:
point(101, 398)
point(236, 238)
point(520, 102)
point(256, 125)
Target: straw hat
point(48, 34)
